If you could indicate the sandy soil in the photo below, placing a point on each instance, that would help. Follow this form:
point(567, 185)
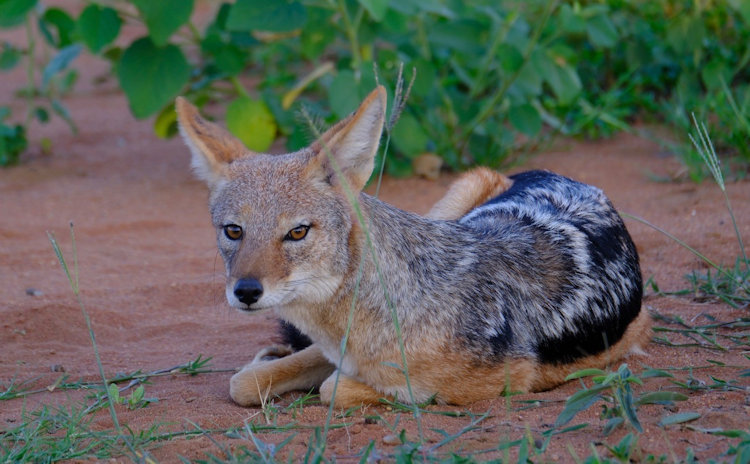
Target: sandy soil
point(152, 282)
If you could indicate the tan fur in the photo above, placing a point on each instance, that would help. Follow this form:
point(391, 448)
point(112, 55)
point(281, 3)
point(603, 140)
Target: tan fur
point(469, 191)
point(206, 138)
point(303, 370)
point(349, 392)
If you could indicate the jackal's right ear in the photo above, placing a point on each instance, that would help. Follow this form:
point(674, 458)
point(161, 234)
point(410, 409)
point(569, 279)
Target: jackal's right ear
point(213, 148)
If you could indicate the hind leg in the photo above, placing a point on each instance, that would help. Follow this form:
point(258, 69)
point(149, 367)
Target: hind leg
point(303, 370)
point(469, 191)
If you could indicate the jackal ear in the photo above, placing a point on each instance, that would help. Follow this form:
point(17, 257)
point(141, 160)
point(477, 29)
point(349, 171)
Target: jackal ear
point(213, 148)
point(352, 143)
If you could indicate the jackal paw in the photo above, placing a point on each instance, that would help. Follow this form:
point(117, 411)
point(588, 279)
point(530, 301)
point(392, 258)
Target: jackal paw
point(272, 353)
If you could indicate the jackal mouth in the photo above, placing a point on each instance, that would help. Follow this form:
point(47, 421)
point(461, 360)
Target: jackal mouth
point(249, 309)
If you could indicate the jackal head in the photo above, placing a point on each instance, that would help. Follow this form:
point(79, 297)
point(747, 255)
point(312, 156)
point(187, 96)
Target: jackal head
point(284, 222)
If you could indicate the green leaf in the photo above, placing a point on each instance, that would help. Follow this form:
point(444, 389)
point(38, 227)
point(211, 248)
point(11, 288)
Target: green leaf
point(685, 34)
point(264, 15)
point(230, 59)
point(424, 83)
point(561, 77)
point(164, 17)
point(114, 393)
point(570, 21)
point(60, 62)
point(579, 401)
point(9, 57)
point(12, 143)
point(743, 8)
point(252, 122)
point(662, 397)
point(678, 418)
point(98, 26)
point(625, 398)
point(714, 72)
point(510, 58)
point(165, 124)
point(526, 119)
point(63, 112)
point(584, 373)
point(460, 36)
point(612, 424)
point(41, 114)
point(62, 22)
point(343, 93)
point(151, 76)
point(649, 373)
point(601, 31)
point(409, 137)
point(13, 12)
point(376, 8)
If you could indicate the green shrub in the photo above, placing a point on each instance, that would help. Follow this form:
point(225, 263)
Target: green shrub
point(492, 78)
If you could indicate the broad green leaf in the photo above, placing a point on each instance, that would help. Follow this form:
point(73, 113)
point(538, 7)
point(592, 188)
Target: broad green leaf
point(98, 26)
point(526, 119)
point(463, 36)
point(62, 22)
point(602, 33)
point(165, 124)
point(678, 418)
point(510, 58)
point(343, 93)
point(564, 81)
point(13, 12)
point(151, 76)
point(685, 34)
point(60, 62)
point(264, 15)
point(164, 17)
point(409, 137)
point(314, 40)
point(529, 81)
point(376, 8)
point(570, 21)
point(713, 72)
point(424, 83)
point(252, 122)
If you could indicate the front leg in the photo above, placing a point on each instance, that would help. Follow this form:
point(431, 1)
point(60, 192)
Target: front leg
point(303, 370)
point(349, 392)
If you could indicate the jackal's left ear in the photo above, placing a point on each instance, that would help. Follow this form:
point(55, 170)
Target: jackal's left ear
point(353, 142)
point(213, 148)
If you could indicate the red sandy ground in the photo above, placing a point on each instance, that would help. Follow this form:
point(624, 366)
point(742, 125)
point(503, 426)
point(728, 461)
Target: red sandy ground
point(152, 281)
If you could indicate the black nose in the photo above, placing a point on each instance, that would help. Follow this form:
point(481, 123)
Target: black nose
point(248, 291)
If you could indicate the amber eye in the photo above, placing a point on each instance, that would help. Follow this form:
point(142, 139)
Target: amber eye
point(296, 234)
point(233, 231)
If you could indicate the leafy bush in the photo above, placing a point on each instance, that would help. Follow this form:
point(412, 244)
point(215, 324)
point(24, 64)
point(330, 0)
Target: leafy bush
point(492, 78)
